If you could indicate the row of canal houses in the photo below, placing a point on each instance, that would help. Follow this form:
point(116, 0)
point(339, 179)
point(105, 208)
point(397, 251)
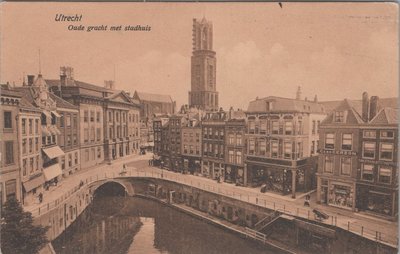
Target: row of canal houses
point(346, 150)
point(51, 128)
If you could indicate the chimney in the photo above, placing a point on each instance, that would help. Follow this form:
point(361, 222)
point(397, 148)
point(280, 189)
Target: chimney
point(63, 79)
point(298, 93)
point(315, 98)
point(373, 107)
point(66, 75)
point(365, 107)
point(109, 84)
point(31, 79)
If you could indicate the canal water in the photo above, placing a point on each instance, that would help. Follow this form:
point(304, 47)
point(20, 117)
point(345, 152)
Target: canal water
point(137, 225)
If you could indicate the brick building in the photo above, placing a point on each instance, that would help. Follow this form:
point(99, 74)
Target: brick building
point(213, 129)
point(282, 139)
point(10, 164)
point(191, 144)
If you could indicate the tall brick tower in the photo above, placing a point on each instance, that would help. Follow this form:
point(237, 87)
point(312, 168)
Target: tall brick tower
point(203, 92)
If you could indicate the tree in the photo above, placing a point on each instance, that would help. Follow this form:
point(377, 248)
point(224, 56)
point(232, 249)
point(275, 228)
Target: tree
point(18, 234)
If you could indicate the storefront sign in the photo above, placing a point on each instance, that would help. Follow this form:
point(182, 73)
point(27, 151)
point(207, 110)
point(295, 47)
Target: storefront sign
point(386, 163)
point(340, 152)
point(270, 161)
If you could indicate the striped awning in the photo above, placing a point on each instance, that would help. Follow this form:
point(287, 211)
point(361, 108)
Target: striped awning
point(33, 183)
point(45, 131)
point(53, 152)
point(55, 113)
point(52, 172)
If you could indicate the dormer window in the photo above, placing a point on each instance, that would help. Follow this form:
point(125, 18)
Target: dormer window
point(339, 116)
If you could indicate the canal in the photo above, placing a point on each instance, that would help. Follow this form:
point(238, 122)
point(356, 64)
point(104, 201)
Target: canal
point(137, 225)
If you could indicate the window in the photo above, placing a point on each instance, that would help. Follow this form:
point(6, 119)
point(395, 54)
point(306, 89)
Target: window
point(23, 124)
point(367, 173)
point(251, 146)
point(69, 140)
point(8, 120)
point(299, 150)
point(274, 149)
point(231, 156)
point(75, 139)
point(288, 150)
point(92, 134)
point(252, 126)
point(387, 134)
point(385, 174)
point(98, 117)
point(36, 126)
point(24, 146)
point(9, 152)
point(76, 158)
point(345, 165)
point(263, 146)
point(37, 162)
point(31, 164)
point(75, 121)
point(92, 115)
point(98, 134)
point(312, 147)
point(313, 127)
point(369, 150)
point(24, 167)
point(231, 139)
point(98, 152)
point(328, 167)
point(347, 141)
point(68, 120)
point(329, 141)
point(263, 126)
point(369, 134)
point(30, 145)
point(62, 120)
point(288, 128)
point(339, 116)
point(86, 135)
point(69, 160)
point(239, 139)
point(110, 116)
point(238, 157)
point(30, 126)
point(386, 152)
point(300, 128)
point(275, 127)
point(85, 116)
point(37, 144)
point(63, 162)
point(11, 188)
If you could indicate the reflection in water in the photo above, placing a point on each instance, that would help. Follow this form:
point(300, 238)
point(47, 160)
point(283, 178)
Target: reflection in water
point(135, 225)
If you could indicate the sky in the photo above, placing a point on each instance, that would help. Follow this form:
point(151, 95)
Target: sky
point(332, 50)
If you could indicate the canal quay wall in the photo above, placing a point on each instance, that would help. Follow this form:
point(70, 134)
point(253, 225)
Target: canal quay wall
point(271, 227)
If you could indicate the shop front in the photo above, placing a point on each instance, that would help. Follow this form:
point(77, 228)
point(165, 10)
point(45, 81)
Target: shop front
point(276, 178)
point(191, 165)
point(341, 195)
point(377, 200)
point(234, 174)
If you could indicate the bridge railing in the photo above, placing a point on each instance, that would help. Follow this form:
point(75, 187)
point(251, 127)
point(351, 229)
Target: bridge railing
point(242, 195)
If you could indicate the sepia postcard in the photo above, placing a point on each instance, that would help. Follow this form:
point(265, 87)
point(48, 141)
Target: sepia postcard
point(199, 127)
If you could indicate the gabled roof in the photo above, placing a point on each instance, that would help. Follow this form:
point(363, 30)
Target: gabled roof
point(352, 117)
point(61, 103)
point(77, 83)
point(153, 97)
point(383, 102)
point(385, 116)
point(280, 104)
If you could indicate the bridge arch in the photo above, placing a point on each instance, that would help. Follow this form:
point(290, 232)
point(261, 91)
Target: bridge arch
point(103, 184)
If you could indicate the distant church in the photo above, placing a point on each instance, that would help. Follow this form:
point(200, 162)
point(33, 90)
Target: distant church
point(203, 94)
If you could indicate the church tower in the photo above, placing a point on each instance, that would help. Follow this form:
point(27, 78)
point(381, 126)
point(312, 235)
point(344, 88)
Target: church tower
point(203, 92)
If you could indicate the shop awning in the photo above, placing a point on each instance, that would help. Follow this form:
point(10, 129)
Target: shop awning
point(53, 152)
point(55, 113)
point(45, 131)
point(47, 113)
point(33, 183)
point(52, 172)
point(54, 130)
